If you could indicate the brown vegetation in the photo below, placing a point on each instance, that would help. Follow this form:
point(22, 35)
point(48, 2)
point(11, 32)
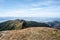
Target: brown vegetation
point(34, 33)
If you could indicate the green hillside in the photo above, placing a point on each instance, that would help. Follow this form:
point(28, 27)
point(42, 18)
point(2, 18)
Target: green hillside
point(20, 24)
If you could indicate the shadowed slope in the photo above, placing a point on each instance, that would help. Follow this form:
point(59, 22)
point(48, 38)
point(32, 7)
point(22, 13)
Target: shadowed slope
point(11, 25)
point(19, 24)
point(35, 33)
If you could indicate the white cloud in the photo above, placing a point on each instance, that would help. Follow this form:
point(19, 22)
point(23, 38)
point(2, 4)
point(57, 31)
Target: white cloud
point(47, 3)
point(32, 12)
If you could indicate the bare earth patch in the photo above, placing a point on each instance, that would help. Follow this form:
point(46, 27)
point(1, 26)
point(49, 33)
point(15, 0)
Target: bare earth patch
point(33, 33)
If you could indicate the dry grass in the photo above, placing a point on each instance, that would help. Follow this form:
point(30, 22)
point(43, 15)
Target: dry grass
point(34, 33)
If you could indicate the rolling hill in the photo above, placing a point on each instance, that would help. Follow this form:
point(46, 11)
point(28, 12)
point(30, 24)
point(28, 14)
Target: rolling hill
point(33, 33)
point(20, 24)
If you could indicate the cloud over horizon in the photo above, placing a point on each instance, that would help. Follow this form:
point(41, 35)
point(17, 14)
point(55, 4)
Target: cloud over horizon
point(29, 8)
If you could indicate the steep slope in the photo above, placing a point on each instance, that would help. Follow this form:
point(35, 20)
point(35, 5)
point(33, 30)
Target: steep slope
point(35, 24)
point(11, 25)
point(35, 33)
point(19, 24)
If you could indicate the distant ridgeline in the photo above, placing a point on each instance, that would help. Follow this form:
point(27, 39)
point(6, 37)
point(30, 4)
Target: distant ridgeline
point(21, 24)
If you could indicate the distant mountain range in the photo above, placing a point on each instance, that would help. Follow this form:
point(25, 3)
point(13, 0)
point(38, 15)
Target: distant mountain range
point(21, 24)
point(38, 19)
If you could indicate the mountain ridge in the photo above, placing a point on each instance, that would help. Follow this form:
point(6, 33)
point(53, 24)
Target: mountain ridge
point(19, 24)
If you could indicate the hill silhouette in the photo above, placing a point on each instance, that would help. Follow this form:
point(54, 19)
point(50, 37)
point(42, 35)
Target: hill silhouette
point(33, 33)
point(20, 24)
point(54, 24)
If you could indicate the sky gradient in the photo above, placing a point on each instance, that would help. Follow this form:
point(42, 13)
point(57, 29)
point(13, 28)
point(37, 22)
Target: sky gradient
point(30, 8)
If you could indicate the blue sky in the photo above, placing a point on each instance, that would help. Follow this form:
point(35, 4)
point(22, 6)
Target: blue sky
point(29, 8)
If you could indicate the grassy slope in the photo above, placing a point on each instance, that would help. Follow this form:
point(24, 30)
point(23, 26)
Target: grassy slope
point(20, 24)
point(34, 33)
point(10, 25)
